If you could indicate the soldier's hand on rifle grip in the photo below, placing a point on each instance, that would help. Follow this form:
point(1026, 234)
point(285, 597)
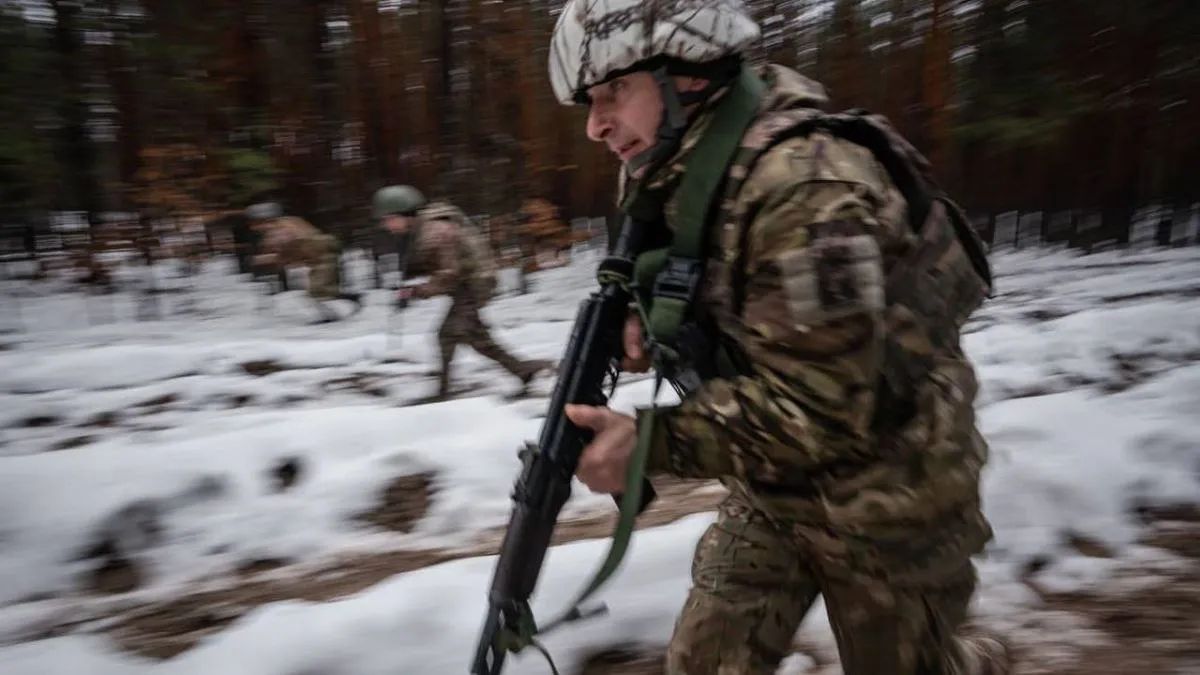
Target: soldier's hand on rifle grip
point(602, 464)
point(636, 359)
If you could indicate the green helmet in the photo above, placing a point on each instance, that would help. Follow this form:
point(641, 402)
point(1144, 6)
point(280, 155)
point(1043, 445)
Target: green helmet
point(396, 199)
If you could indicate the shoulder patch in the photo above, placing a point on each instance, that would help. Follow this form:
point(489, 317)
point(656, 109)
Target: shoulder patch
point(839, 273)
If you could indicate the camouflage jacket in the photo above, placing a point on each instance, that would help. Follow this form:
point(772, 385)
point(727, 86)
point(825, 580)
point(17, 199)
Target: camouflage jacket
point(452, 251)
point(295, 241)
point(799, 280)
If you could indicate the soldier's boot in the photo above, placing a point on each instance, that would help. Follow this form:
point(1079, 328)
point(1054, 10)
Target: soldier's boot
point(533, 367)
point(447, 353)
point(485, 346)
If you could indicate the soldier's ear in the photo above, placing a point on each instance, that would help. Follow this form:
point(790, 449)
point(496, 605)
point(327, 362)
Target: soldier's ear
point(687, 83)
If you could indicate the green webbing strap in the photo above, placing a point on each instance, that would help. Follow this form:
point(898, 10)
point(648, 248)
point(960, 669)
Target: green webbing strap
point(524, 633)
point(516, 638)
point(702, 177)
point(631, 500)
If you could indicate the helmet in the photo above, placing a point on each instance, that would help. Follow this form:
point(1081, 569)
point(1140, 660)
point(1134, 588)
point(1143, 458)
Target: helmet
point(396, 199)
point(597, 41)
point(264, 211)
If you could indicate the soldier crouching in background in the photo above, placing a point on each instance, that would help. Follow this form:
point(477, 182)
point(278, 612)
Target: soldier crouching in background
point(288, 241)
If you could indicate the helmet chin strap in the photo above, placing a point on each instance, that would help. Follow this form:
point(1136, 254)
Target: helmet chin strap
point(670, 129)
point(674, 120)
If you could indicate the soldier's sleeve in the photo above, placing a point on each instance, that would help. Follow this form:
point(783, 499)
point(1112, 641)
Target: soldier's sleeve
point(812, 321)
point(443, 238)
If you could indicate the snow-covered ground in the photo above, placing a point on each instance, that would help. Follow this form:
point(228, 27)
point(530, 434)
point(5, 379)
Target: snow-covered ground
point(1091, 378)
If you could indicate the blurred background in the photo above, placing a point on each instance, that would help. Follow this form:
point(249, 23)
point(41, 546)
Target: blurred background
point(157, 122)
point(184, 455)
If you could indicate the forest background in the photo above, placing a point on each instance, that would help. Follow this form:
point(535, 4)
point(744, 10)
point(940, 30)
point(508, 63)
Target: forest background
point(1085, 112)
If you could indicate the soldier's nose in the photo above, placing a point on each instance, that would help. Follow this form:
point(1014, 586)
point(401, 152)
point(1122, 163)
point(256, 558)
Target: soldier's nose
point(599, 124)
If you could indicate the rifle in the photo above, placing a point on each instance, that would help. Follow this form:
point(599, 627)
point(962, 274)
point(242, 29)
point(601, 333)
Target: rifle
point(544, 484)
point(399, 302)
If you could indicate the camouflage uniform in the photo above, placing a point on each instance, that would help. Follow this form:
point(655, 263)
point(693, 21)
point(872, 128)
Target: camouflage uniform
point(848, 442)
point(457, 258)
point(296, 242)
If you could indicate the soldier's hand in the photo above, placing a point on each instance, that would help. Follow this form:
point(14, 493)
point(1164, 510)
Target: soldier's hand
point(603, 462)
point(403, 295)
point(636, 360)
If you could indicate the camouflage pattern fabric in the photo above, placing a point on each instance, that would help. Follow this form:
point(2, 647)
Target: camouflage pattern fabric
point(459, 263)
point(863, 467)
point(752, 586)
point(464, 326)
point(452, 251)
point(323, 270)
point(297, 243)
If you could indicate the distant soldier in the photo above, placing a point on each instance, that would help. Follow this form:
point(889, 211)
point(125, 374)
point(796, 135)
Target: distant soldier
point(288, 241)
point(446, 246)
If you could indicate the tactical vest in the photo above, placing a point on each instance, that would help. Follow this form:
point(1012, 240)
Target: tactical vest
point(931, 288)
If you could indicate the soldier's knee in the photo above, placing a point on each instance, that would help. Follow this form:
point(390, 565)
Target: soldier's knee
point(737, 634)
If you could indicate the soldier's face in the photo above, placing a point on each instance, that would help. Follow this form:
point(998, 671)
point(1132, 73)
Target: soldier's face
point(396, 224)
point(625, 113)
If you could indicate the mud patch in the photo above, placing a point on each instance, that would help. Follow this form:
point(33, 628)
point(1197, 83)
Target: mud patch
point(1088, 546)
point(165, 631)
point(624, 661)
point(285, 473)
point(263, 368)
point(1164, 513)
point(38, 421)
point(292, 400)
point(158, 401)
point(1045, 314)
point(72, 443)
point(249, 568)
point(114, 575)
point(103, 420)
point(235, 401)
point(1146, 617)
point(162, 630)
point(1129, 370)
point(404, 501)
point(1181, 293)
point(364, 383)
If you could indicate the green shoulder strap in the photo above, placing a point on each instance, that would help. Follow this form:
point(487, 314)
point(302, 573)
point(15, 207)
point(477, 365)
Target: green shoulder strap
point(675, 286)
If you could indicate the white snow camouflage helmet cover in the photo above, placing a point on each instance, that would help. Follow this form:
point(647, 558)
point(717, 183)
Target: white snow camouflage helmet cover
point(595, 40)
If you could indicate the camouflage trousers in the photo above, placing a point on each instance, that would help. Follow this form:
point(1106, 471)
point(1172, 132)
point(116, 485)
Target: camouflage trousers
point(753, 584)
point(464, 326)
point(322, 260)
